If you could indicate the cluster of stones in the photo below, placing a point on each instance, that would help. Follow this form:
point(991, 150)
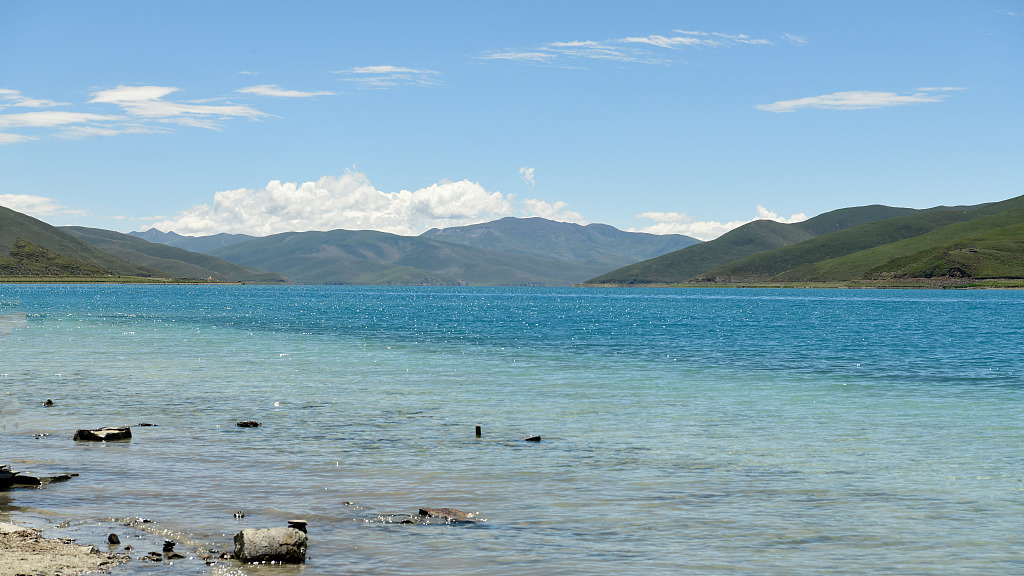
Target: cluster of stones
point(252, 545)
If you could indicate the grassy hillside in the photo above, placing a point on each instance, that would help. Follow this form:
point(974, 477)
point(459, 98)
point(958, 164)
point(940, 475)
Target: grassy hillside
point(177, 262)
point(766, 265)
point(14, 225)
point(595, 244)
point(989, 245)
point(757, 236)
point(370, 257)
point(28, 259)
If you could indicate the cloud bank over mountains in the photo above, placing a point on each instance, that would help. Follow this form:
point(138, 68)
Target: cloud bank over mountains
point(352, 202)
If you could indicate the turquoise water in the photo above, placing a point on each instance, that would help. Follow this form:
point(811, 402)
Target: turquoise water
point(684, 431)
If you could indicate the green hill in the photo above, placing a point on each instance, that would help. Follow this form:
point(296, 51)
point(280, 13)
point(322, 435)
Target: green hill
point(28, 259)
point(15, 225)
point(752, 238)
point(594, 244)
point(766, 265)
point(370, 257)
point(989, 244)
point(176, 262)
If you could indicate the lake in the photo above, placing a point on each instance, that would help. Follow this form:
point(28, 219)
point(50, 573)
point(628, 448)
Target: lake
point(684, 431)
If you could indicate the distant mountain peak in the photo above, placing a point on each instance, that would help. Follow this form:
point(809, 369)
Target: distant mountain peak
point(157, 236)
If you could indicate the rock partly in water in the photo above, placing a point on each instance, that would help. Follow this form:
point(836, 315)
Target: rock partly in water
point(13, 479)
point(286, 545)
point(108, 434)
point(448, 515)
point(248, 424)
point(6, 476)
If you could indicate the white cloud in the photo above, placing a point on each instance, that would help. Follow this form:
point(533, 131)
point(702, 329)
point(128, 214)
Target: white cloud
point(350, 202)
point(520, 56)
point(278, 92)
point(681, 223)
point(51, 119)
point(145, 109)
point(526, 173)
point(146, 102)
point(380, 77)
point(36, 206)
point(856, 100)
point(552, 211)
point(10, 97)
point(650, 49)
point(798, 40)
point(14, 138)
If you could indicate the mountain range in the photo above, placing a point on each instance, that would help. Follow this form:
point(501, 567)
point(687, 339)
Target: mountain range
point(531, 251)
point(866, 245)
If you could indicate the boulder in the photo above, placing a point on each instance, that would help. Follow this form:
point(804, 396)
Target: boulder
point(286, 545)
point(107, 434)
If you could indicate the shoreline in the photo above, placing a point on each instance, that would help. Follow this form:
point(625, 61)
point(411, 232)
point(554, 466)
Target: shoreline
point(27, 551)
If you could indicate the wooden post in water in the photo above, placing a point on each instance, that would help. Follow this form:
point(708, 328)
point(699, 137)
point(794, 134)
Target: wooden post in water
point(478, 433)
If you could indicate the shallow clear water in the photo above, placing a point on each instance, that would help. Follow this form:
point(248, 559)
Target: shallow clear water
point(684, 431)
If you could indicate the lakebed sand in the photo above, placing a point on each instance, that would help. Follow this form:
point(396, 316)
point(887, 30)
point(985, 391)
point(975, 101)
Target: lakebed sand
point(26, 551)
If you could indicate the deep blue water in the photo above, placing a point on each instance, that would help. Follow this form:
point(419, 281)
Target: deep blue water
point(718, 431)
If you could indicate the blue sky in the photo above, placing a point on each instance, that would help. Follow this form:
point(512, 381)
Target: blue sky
point(687, 117)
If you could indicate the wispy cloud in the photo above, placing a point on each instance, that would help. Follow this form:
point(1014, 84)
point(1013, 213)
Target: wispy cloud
point(10, 97)
point(651, 49)
point(143, 109)
point(278, 92)
point(52, 118)
point(526, 173)
point(857, 100)
point(794, 39)
point(147, 102)
point(381, 77)
point(14, 138)
point(36, 206)
point(681, 223)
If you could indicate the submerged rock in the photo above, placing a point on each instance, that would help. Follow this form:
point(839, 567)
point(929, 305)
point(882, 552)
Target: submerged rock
point(107, 434)
point(286, 545)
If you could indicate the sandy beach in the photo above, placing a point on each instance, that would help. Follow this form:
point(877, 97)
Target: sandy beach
point(26, 551)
